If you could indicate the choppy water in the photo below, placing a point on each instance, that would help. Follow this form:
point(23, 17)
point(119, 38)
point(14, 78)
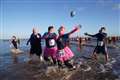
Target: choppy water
point(6, 59)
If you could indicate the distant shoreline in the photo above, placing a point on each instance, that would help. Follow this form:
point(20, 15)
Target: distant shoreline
point(71, 37)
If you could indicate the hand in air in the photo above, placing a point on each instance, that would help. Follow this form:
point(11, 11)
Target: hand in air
point(86, 33)
point(78, 27)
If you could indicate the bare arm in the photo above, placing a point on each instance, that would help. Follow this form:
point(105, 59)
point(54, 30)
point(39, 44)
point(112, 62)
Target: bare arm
point(28, 41)
point(90, 35)
point(74, 30)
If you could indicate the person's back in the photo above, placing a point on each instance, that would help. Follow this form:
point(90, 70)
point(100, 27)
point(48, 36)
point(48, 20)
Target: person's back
point(35, 41)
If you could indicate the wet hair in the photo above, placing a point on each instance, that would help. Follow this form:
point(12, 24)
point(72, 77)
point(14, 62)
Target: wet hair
point(61, 28)
point(102, 28)
point(50, 27)
point(14, 37)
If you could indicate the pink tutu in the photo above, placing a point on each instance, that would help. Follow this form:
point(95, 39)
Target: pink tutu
point(64, 54)
point(50, 52)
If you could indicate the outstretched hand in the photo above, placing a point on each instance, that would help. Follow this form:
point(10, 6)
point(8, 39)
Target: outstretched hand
point(86, 33)
point(78, 27)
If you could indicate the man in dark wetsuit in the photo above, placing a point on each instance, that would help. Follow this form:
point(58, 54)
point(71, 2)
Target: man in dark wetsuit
point(14, 42)
point(101, 43)
point(35, 42)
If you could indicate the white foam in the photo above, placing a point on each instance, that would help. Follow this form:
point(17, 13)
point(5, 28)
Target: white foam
point(113, 60)
point(108, 65)
point(16, 51)
point(27, 59)
point(101, 68)
point(88, 69)
point(41, 58)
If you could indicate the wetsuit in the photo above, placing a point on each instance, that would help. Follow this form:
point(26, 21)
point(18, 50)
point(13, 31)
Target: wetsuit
point(14, 42)
point(35, 43)
point(101, 43)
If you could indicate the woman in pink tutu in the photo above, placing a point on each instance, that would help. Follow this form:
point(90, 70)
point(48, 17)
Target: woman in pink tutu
point(64, 53)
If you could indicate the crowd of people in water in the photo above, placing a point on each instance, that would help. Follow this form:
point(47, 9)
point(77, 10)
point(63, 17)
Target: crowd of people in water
point(57, 46)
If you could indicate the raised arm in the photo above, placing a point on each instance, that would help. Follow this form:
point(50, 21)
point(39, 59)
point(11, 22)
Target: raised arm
point(74, 30)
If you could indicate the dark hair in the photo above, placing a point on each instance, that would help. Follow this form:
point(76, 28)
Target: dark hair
point(50, 27)
point(102, 28)
point(61, 28)
point(14, 37)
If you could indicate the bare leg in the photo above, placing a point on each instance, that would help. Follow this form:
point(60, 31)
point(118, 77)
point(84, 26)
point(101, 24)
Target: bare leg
point(106, 57)
point(15, 58)
point(94, 55)
point(30, 58)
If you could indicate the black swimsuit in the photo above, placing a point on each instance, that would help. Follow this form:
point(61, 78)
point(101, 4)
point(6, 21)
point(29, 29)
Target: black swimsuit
point(14, 42)
point(101, 46)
